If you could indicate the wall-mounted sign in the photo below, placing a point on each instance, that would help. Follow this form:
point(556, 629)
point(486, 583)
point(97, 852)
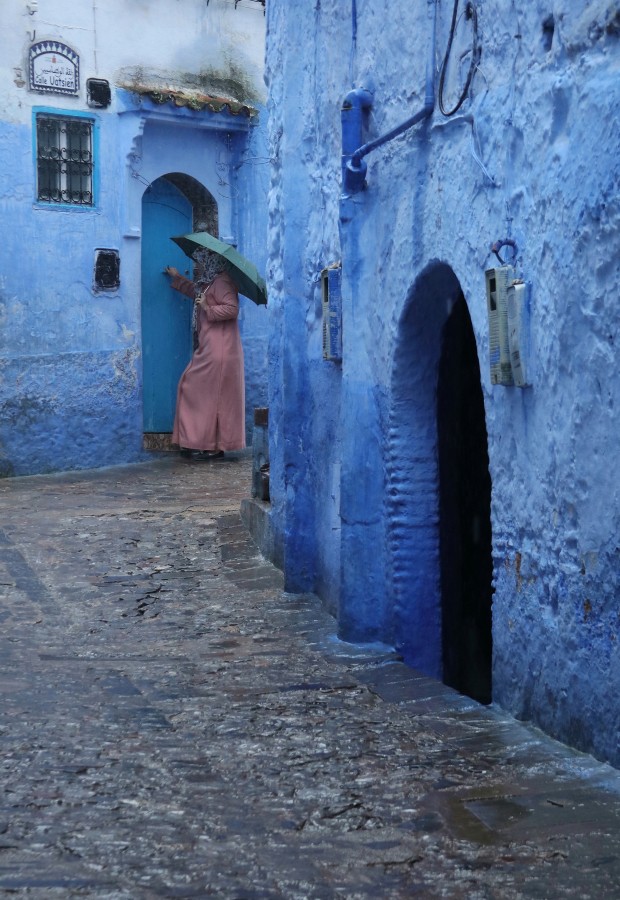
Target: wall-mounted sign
point(54, 68)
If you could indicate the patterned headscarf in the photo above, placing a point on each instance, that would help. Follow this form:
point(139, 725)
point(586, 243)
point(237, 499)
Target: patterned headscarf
point(209, 266)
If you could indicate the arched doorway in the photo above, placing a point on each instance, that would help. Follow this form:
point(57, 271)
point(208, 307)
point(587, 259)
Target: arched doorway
point(464, 511)
point(172, 205)
point(435, 386)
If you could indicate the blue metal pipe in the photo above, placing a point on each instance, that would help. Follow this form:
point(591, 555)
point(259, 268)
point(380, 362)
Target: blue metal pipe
point(353, 38)
point(354, 106)
point(354, 167)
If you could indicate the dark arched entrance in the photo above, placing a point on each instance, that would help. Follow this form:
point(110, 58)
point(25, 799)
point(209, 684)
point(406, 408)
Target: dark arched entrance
point(464, 511)
point(438, 490)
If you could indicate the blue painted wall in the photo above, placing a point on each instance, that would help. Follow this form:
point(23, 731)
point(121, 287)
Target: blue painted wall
point(70, 370)
point(251, 186)
point(531, 156)
point(70, 356)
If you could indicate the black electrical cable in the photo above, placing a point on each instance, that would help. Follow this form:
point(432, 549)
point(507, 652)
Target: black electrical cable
point(470, 13)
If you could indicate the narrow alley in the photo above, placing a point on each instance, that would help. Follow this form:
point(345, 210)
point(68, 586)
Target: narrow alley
point(174, 725)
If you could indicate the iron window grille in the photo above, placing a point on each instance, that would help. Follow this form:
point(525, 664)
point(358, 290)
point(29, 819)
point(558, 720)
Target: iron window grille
point(65, 160)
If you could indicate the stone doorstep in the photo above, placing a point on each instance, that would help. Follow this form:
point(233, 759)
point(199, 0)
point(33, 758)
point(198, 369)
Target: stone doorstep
point(256, 516)
point(161, 441)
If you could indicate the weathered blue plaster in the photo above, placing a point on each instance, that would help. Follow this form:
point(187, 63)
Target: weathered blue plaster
point(303, 465)
point(533, 156)
point(362, 605)
point(251, 185)
point(69, 407)
point(411, 510)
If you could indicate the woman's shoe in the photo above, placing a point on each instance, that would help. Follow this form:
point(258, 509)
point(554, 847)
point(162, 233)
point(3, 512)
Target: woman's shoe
point(207, 454)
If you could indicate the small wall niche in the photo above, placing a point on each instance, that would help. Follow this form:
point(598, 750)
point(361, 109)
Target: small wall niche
point(548, 29)
point(98, 93)
point(107, 270)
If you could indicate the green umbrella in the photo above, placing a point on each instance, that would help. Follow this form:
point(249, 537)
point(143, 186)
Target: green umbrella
point(243, 272)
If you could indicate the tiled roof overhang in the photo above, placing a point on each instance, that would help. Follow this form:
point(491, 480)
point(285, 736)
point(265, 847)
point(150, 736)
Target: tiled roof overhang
point(195, 101)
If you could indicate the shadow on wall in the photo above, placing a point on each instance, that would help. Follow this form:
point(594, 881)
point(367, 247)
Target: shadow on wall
point(464, 511)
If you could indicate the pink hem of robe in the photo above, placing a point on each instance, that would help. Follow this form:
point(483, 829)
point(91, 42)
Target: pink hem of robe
point(210, 410)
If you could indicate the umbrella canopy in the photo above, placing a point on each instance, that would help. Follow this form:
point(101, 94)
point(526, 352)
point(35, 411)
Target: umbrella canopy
point(243, 272)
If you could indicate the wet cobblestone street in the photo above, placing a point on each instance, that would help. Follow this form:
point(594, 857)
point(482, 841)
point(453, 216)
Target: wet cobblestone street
point(173, 724)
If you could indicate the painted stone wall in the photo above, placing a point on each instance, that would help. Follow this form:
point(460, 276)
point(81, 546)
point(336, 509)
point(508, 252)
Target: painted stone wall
point(70, 356)
point(530, 156)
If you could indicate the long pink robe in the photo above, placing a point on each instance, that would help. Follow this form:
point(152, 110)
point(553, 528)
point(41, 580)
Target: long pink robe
point(210, 410)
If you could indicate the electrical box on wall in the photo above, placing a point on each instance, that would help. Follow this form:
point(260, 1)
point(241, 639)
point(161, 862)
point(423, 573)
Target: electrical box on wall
point(518, 332)
point(332, 312)
point(497, 281)
point(508, 315)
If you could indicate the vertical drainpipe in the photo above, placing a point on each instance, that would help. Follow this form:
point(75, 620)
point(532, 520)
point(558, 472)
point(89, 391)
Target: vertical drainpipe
point(355, 105)
point(354, 108)
point(363, 608)
point(359, 612)
point(354, 167)
point(353, 39)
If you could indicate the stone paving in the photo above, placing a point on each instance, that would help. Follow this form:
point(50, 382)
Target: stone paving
point(173, 724)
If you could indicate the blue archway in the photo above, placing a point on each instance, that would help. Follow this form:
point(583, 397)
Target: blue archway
point(420, 600)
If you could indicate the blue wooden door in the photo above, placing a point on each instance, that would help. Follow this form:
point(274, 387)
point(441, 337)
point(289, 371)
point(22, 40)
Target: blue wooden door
point(166, 314)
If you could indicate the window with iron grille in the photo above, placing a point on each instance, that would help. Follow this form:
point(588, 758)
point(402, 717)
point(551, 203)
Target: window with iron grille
point(65, 160)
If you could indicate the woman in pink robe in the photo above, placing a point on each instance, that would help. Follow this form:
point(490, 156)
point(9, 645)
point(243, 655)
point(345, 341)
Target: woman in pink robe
point(210, 410)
